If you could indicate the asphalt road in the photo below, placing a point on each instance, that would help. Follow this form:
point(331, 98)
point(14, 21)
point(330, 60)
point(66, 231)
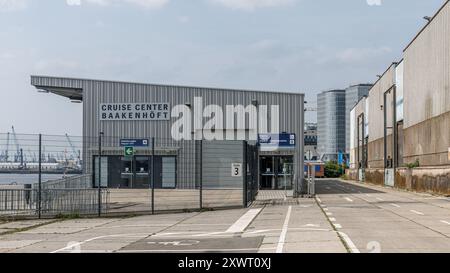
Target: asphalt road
point(379, 219)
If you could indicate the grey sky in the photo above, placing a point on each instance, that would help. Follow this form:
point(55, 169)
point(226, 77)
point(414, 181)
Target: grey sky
point(288, 45)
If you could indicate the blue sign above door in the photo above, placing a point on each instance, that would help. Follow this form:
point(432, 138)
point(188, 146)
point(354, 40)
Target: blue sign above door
point(134, 142)
point(277, 140)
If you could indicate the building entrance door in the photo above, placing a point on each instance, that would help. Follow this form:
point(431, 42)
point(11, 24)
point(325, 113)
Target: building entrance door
point(135, 172)
point(142, 172)
point(276, 172)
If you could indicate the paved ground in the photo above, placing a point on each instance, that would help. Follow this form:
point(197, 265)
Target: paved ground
point(379, 219)
point(295, 226)
point(346, 217)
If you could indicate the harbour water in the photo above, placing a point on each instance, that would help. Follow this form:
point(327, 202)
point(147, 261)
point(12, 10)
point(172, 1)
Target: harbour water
point(20, 179)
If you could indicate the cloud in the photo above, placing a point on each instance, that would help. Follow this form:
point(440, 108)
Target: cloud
point(351, 55)
point(73, 2)
point(184, 19)
point(57, 65)
point(7, 56)
point(374, 2)
point(150, 4)
point(12, 5)
point(252, 4)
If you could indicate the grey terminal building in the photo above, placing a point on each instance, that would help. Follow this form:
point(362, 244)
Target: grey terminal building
point(148, 117)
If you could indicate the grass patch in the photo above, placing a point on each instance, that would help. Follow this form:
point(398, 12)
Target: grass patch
point(414, 165)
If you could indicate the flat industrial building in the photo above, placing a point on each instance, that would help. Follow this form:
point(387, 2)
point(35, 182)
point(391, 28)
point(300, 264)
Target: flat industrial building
point(137, 114)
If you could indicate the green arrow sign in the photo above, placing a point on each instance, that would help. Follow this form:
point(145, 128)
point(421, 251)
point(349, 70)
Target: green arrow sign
point(129, 151)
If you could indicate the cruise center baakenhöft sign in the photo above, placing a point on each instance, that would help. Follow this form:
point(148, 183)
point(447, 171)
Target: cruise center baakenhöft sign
point(134, 111)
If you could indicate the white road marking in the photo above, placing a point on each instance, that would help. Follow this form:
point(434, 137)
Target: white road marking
point(78, 244)
point(349, 242)
point(277, 230)
point(325, 209)
point(337, 226)
point(242, 223)
point(333, 219)
point(445, 222)
point(329, 213)
point(379, 199)
point(210, 234)
point(311, 225)
point(318, 200)
point(195, 250)
point(395, 205)
point(417, 212)
point(348, 199)
point(284, 231)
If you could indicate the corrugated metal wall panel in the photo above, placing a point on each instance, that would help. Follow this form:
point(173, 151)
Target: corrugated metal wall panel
point(218, 157)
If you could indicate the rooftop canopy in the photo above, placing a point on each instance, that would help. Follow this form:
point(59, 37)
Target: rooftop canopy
point(68, 89)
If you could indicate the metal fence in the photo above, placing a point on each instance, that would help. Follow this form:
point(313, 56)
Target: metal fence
point(51, 202)
point(154, 175)
point(83, 181)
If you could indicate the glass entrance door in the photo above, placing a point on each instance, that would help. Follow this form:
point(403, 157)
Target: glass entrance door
point(142, 172)
point(276, 172)
point(126, 175)
point(284, 172)
point(267, 179)
point(135, 172)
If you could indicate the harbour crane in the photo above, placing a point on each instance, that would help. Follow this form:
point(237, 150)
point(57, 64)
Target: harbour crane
point(17, 157)
point(7, 147)
point(74, 151)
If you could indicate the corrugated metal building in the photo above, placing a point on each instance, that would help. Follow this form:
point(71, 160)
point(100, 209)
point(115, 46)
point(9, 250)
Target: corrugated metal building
point(408, 113)
point(96, 94)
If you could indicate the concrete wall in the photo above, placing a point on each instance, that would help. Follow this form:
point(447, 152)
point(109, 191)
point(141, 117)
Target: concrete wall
point(376, 118)
point(376, 121)
point(428, 141)
point(354, 114)
point(425, 179)
point(423, 82)
point(427, 71)
point(427, 93)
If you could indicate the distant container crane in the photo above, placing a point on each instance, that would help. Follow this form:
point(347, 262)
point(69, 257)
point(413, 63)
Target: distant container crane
point(5, 156)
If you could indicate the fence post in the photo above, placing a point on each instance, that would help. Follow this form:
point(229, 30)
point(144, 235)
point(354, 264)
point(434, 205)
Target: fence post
point(201, 173)
point(153, 175)
point(100, 174)
point(244, 174)
point(40, 177)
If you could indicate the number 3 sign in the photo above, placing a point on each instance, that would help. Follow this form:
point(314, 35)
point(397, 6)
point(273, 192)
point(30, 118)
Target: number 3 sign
point(236, 170)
